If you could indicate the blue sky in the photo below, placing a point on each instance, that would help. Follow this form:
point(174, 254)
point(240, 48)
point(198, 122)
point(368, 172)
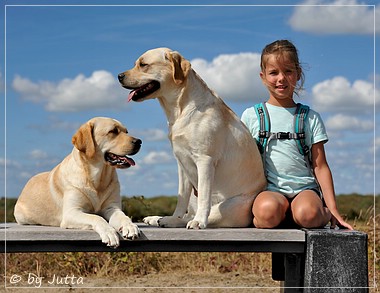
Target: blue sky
point(61, 64)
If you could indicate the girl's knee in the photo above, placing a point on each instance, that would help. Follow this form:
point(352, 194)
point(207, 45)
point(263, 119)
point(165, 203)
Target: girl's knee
point(268, 214)
point(310, 217)
point(304, 216)
point(308, 211)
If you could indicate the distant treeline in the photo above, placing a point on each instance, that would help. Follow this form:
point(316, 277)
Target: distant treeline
point(351, 206)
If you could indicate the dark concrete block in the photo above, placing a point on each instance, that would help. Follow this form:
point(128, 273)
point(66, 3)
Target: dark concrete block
point(336, 261)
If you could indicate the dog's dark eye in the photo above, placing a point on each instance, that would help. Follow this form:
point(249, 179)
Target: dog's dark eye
point(143, 64)
point(114, 131)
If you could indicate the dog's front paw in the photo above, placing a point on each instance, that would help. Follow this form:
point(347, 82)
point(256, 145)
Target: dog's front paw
point(171, 222)
point(129, 231)
point(110, 237)
point(152, 221)
point(196, 225)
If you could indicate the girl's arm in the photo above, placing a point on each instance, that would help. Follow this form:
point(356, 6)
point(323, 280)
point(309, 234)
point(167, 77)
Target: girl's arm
point(323, 174)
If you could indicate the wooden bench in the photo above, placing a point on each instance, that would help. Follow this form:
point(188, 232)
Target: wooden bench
point(305, 260)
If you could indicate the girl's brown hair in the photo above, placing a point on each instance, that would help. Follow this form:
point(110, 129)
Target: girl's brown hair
point(284, 49)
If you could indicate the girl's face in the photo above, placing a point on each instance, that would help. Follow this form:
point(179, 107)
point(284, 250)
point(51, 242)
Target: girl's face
point(280, 76)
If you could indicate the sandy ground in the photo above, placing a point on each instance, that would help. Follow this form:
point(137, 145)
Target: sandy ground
point(173, 283)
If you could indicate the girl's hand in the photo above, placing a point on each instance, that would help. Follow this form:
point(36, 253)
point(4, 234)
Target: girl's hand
point(341, 223)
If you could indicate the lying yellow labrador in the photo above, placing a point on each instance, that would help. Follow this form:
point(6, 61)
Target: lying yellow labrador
point(217, 156)
point(83, 191)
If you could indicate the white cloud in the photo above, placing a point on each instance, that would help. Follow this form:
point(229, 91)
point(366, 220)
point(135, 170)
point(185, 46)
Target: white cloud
point(43, 160)
point(339, 95)
point(25, 175)
point(130, 172)
point(38, 155)
point(9, 163)
point(153, 134)
point(160, 157)
point(99, 91)
point(234, 76)
point(352, 162)
point(337, 17)
point(341, 122)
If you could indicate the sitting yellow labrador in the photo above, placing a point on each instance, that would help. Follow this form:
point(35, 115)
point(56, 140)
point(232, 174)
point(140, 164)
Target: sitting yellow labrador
point(83, 191)
point(216, 154)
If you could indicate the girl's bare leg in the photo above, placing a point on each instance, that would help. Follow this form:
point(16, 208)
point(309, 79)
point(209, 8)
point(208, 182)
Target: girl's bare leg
point(308, 210)
point(269, 209)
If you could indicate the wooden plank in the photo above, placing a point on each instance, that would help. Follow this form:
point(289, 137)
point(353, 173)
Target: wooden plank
point(14, 231)
point(17, 238)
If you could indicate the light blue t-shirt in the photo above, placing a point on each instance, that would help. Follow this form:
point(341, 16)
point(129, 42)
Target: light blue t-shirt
point(286, 169)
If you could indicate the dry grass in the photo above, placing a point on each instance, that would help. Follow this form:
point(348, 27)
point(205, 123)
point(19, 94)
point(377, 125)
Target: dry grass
point(372, 228)
point(101, 265)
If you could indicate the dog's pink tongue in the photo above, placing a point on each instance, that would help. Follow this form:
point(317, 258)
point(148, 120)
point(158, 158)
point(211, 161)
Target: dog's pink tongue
point(130, 161)
point(130, 96)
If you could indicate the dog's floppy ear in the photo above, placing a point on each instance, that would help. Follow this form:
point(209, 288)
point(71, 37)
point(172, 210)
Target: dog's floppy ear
point(180, 67)
point(84, 141)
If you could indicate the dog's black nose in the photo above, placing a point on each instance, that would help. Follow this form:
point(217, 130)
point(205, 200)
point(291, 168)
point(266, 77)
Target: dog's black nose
point(121, 77)
point(137, 142)
point(136, 146)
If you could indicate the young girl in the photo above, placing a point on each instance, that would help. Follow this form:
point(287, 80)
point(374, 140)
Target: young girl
point(292, 188)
